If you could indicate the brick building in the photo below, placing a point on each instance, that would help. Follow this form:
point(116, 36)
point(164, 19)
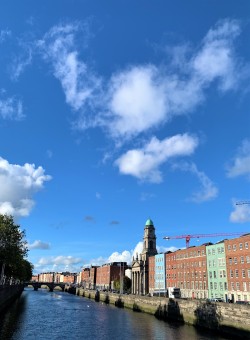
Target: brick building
point(237, 253)
point(108, 273)
point(85, 278)
point(151, 274)
point(187, 269)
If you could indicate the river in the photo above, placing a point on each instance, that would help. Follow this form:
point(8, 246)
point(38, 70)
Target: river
point(42, 315)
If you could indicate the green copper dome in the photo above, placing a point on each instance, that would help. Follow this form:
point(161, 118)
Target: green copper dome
point(149, 222)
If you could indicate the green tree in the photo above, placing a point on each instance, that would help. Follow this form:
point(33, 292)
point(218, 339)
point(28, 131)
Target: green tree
point(127, 284)
point(13, 247)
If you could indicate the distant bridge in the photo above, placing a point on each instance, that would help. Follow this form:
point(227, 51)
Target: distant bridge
point(50, 285)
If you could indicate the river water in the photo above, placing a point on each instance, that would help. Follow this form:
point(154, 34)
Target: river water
point(42, 315)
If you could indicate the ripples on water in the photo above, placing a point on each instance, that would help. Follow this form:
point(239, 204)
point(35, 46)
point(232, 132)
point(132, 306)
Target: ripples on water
point(43, 315)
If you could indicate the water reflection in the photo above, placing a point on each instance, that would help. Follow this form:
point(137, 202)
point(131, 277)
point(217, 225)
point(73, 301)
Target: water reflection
point(44, 315)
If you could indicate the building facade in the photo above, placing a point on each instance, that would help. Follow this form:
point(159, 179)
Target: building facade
point(140, 274)
point(160, 274)
point(107, 274)
point(217, 271)
point(237, 253)
point(187, 269)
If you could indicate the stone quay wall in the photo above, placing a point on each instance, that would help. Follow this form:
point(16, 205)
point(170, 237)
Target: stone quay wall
point(221, 317)
point(8, 294)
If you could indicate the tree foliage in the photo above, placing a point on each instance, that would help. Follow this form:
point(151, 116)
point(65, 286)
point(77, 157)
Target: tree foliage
point(13, 250)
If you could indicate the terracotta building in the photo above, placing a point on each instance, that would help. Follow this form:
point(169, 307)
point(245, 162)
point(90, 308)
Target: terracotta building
point(108, 273)
point(151, 274)
point(187, 269)
point(237, 253)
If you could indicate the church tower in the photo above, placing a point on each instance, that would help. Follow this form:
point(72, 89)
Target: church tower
point(140, 276)
point(149, 239)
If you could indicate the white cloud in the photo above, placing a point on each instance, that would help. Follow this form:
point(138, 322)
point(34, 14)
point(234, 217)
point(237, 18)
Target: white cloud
point(137, 100)
point(141, 97)
point(38, 245)
point(4, 34)
point(11, 108)
point(144, 163)
point(144, 96)
point(216, 58)
point(59, 264)
point(21, 62)
point(125, 256)
point(18, 185)
point(59, 48)
point(241, 163)
point(240, 214)
point(162, 249)
point(208, 189)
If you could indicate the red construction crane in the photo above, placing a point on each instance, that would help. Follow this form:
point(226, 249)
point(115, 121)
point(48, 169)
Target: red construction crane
point(188, 237)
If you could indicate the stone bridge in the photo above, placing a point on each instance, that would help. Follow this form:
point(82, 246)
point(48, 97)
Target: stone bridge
point(50, 285)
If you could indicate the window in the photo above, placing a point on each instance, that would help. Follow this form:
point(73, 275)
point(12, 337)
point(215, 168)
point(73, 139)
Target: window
point(235, 260)
point(221, 285)
point(211, 285)
point(225, 285)
point(234, 247)
point(214, 274)
point(240, 246)
point(213, 251)
point(237, 286)
point(248, 273)
point(246, 245)
point(243, 273)
point(242, 259)
point(229, 247)
point(215, 285)
point(232, 285)
point(248, 259)
point(231, 273)
point(230, 260)
point(244, 286)
point(222, 250)
point(236, 273)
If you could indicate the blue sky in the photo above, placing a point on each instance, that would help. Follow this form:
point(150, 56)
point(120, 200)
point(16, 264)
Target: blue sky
point(118, 111)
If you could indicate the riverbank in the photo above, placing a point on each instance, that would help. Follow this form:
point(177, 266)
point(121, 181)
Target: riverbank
point(8, 294)
point(224, 318)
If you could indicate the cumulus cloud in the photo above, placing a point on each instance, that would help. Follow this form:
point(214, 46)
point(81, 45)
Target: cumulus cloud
point(141, 97)
point(240, 165)
point(18, 185)
point(58, 47)
point(208, 189)
point(58, 263)
point(38, 245)
point(137, 100)
point(11, 108)
point(144, 163)
point(144, 96)
point(240, 214)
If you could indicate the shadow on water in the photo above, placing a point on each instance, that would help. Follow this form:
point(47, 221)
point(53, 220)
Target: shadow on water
point(170, 312)
point(10, 318)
